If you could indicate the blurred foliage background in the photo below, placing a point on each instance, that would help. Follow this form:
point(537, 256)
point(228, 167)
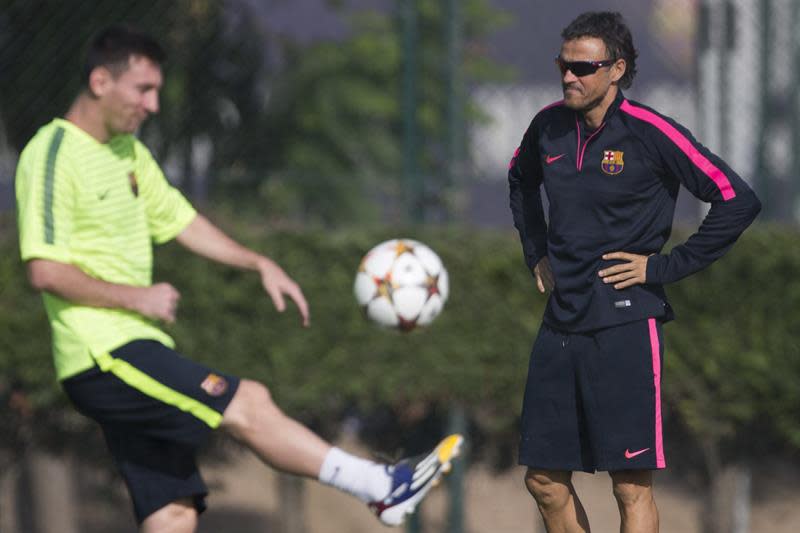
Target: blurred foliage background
point(314, 129)
point(733, 356)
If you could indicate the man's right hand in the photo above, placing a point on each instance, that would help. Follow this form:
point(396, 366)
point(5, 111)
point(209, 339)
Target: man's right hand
point(159, 301)
point(544, 275)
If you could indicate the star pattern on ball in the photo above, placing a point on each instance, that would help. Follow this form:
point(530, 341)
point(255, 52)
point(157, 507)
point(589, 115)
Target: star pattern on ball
point(384, 285)
point(433, 285)
point(401, 284)
point(402, 247)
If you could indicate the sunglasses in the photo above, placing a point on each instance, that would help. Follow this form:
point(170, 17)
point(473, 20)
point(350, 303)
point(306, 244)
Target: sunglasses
point(581, 68)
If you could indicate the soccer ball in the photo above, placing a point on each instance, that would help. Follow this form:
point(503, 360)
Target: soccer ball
point(401, 284)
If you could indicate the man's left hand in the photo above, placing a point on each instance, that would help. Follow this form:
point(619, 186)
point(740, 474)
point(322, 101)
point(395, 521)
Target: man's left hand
point(277, 283)
point(624, 275)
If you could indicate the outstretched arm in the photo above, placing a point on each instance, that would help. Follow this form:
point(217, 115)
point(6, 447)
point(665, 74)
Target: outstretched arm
point(203, 238)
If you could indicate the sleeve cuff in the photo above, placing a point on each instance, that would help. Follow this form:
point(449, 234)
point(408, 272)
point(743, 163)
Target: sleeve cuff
point(534, 259)
point(656, 264)
point(43, 251)
point(175, 229)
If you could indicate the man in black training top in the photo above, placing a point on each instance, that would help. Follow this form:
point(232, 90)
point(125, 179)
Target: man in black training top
point(611, 169)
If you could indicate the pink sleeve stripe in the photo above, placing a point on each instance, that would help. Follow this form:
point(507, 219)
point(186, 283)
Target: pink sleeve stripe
point(516, 153)
point(513, 157)
point(655, 351)
point(700, 161)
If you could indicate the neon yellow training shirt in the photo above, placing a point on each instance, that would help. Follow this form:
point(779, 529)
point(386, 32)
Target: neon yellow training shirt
point(99, 207)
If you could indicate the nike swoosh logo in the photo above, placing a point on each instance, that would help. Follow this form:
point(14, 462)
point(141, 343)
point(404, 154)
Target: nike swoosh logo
point(102, 196)
point(631, 455)
point(552, 159)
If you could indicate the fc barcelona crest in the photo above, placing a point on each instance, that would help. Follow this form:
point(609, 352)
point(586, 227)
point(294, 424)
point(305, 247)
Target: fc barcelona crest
point(214, 385)
point(134, 184)
point(612, 162)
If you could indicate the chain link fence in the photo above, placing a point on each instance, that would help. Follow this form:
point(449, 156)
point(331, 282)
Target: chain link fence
point(725, 69)
point(213, 102)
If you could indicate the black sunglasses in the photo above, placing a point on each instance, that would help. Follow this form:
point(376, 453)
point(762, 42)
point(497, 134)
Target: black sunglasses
point(581, 68)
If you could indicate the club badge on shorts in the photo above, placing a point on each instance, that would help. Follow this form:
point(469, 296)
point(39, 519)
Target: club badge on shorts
point(612, 162)
point(214, 385)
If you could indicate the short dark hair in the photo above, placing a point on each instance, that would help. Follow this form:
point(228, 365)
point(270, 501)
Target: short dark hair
point(611, 28)
point(113, 47)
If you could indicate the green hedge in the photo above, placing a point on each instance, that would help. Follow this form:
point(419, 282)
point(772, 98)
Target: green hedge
point(732, 360)
point(733, 354)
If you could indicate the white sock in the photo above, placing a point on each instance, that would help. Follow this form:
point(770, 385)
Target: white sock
point(364, 479)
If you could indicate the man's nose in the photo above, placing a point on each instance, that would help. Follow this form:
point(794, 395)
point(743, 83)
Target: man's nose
point(151, 102)
point(569, 77)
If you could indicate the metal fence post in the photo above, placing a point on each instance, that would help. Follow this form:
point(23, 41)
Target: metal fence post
point(411, 175)
point(457, 424)
point(795, 110)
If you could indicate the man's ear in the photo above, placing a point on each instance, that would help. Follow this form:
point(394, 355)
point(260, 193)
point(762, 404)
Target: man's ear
point(100, 80)
point(618, 69)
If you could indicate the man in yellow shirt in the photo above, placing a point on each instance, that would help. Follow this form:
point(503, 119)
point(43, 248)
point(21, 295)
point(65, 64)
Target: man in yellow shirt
point(91, 202)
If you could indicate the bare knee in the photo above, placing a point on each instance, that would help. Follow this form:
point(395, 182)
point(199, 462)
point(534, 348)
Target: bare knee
point(251, 404)
point(632, 488)
point(176, 517)
point(550, 489)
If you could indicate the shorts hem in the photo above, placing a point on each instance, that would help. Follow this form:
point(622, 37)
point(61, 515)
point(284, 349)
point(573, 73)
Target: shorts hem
point(553, 467)
point(198, 498)
point(619, 468)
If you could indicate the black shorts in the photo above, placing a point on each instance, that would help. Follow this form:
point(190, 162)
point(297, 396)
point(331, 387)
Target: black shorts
point(593, 400)
point(156, 408)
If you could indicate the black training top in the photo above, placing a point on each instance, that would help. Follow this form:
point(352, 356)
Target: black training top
point(614, 189)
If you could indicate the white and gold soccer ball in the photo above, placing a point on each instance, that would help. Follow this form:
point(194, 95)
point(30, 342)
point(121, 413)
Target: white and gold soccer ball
point(401, 284)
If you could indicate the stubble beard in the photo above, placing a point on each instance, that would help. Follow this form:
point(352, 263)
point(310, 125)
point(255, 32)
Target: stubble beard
point(583, 105)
